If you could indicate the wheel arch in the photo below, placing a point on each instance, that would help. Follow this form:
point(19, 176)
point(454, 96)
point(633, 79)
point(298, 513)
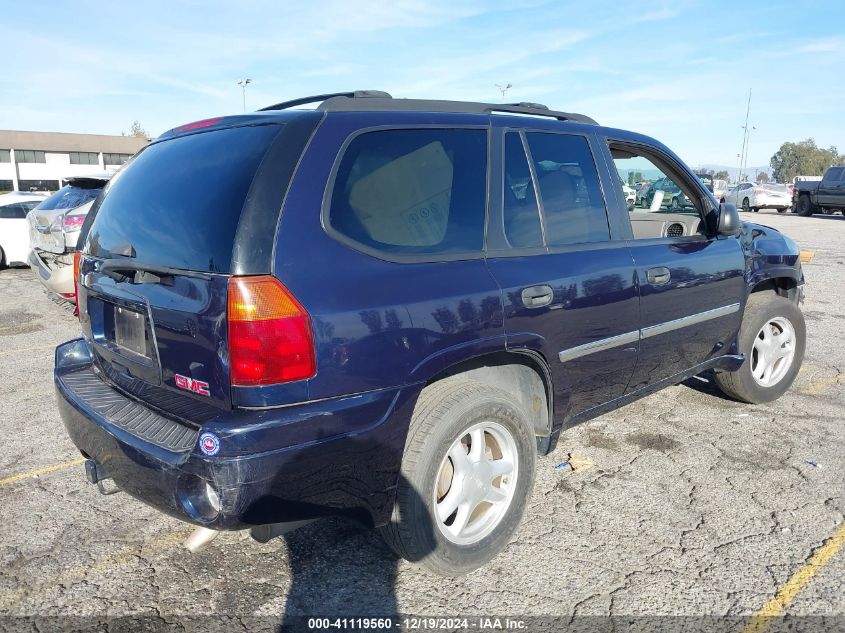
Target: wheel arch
point(525, 369)
point(784, 286)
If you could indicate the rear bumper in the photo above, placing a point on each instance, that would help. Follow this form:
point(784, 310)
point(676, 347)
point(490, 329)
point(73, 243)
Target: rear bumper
point(772, 203)
point(55, 272)
point(349, 474)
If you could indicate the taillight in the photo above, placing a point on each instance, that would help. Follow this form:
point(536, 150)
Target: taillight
point(76, 257)
point(270, 337)
point(72, 223)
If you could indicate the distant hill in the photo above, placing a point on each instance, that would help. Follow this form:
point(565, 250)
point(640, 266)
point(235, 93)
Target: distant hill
point(648, 174)
point(732, 171)
point(653, 174)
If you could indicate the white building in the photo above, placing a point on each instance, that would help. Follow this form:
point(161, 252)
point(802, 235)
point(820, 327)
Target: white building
point(39, 161)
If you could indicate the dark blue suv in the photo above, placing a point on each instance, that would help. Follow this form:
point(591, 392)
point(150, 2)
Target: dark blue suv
point(385, 309)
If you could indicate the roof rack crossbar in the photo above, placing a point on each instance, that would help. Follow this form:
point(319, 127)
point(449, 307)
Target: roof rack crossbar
point(355, 94)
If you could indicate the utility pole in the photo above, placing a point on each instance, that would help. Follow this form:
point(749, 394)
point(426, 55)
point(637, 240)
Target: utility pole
point(503, 88)
point(743, 155)
point(243, 83)
point(747, 147)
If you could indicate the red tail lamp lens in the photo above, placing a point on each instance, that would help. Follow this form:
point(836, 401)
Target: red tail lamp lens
point(270, 337)
point(76, 257)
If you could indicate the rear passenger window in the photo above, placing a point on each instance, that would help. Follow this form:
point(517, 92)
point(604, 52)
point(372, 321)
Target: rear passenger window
point(573, 206)
point(417, 191)
point(14, 211)
point(519, 205)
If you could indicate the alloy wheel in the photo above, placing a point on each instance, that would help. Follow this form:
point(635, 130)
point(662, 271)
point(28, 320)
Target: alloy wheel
point(773, 352)
point(475, 483)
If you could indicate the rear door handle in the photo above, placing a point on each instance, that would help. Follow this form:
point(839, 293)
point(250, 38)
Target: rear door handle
point(537, 296)
point(658, 276)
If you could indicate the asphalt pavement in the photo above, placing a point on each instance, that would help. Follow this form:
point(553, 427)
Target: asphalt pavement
point(687, 504)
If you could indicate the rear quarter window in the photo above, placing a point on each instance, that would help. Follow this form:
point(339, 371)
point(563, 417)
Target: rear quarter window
point(412, 192)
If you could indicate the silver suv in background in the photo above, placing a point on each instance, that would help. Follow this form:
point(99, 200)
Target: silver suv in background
point(54, 227)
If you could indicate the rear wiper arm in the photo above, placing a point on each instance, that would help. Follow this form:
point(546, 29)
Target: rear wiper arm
point(123, 269)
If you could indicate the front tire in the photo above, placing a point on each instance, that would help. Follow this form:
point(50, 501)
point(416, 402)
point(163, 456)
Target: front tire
point(773, 338)
point(746, 205)
point(466, 477)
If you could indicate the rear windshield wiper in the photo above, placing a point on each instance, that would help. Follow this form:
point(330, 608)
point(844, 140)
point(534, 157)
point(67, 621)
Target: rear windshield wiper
point(141, 273)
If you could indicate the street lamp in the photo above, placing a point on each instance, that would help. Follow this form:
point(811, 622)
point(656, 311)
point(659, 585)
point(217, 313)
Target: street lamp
point(243, 83)
point(503, 88)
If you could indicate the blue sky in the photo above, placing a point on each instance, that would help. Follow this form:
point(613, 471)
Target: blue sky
point(679, 71)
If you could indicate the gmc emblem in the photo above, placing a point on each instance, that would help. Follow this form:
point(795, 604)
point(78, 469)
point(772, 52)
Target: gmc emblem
point(189, 384)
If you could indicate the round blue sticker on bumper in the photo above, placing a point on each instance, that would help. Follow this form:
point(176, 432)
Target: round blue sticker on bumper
point(209, 443)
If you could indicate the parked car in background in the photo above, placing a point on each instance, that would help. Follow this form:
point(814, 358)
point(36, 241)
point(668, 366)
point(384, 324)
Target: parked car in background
point(720, 189)
point(14, 232)
point(466, 307)
point(630, 196)
point(824, 196)
point(748, 196)
point(54, 227)
point(673, 198)
point(642, 189)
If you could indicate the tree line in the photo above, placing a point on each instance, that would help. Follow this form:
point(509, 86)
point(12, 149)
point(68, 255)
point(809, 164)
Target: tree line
point(804, 158)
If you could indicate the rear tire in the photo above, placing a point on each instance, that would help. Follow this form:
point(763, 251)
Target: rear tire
point(746, 205)
point(805, 206)
point(449, 413)
point(773, 338)
point(2, 259)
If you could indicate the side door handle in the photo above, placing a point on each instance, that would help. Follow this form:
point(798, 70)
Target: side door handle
point(537, 296)
point(658, 276)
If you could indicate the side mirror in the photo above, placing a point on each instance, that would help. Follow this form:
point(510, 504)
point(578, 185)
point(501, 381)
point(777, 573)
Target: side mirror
point(729, 223)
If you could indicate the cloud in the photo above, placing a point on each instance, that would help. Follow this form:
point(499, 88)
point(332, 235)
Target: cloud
point(828, 45)
point(657, 15)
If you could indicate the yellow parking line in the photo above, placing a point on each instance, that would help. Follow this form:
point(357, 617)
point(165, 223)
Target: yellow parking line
point(27, 349)
point(821, 385)
point(807, 256)
point(40, 471)
point(776, 606)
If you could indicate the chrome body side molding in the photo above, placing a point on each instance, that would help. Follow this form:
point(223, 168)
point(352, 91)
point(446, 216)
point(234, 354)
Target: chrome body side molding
point(652, 330)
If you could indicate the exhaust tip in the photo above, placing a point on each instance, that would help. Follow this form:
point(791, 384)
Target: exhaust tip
point(199, 539)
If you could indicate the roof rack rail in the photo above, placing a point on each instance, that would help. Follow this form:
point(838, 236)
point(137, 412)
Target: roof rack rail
point(343, 103)
point(355, 94)
point(538, 109)
point(375, 100)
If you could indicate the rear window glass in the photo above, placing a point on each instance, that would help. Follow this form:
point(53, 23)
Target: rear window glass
point(178, 202)
point(419, 191)
point(71, 196)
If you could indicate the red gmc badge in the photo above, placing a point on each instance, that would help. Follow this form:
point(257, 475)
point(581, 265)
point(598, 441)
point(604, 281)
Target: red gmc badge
point(189, 384)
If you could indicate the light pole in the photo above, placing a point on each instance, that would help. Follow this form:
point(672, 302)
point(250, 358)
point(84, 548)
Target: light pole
point(744, 134)
point(503, 88)
point(243, 83)
point(747, 146)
